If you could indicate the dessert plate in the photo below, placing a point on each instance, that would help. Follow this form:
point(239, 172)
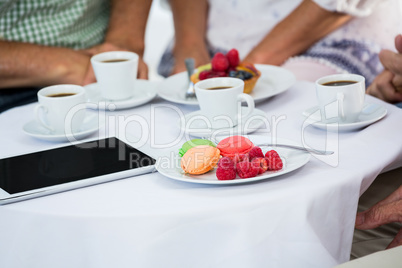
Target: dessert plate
point(89, 126)
point(370, 114)
point(196, 124)
point(145, 91)
point(273, 80)
point(292, 160)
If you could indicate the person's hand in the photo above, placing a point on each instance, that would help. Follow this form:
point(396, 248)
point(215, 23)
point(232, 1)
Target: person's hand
point(105, 47)
point(383, 87)
point(387, 211)
point(199, 54)
point(388, 85)
point(261, 54)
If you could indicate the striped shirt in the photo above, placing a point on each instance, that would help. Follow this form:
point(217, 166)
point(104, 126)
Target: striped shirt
point(76, 24)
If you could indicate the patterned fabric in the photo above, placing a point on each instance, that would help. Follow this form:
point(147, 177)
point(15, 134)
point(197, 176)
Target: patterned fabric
point(74, 24)
point(353, 56)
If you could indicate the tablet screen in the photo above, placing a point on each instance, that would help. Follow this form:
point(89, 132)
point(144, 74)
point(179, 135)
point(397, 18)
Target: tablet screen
point(67, 164)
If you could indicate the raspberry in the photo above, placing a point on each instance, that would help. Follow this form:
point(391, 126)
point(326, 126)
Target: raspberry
point(261, 163)
point(233, 57)
point(274, 160)
point(226, 169)
point(218, 74)
point(240, 158)
point(225, 174)
point(205, 74)
point(255, 152)
point(226, 163)
point(219, 63)
point(246, 170)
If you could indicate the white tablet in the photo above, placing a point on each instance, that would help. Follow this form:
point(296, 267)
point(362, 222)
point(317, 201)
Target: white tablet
point(70, 167)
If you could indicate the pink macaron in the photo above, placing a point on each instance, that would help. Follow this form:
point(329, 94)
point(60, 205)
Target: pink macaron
point(233, 145)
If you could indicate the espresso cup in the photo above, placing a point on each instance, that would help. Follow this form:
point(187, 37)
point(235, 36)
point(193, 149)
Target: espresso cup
point(116, 73)
point(341, 96)
point(61, 108)
point(220, 101)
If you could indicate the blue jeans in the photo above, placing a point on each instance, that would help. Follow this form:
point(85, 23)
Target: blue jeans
point(10, 98)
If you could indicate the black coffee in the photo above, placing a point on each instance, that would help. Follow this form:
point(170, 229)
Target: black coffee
point(216, 88)
point(339, 83)
point(115, 60)
point(58, 95)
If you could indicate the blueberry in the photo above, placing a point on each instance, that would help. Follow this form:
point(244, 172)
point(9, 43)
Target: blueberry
point(240, 75)
point(232, 74)
point(243, 75)
point(247, 75)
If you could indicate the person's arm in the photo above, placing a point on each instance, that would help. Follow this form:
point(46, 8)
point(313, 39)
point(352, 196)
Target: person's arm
point(190, 23)
point(128, 20)
point(126, 31)
point(388, 85)
point(30, 65)
point(386, 211)
point(306, 25)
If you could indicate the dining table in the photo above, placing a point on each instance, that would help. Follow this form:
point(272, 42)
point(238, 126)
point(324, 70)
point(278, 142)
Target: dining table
point(304, 218)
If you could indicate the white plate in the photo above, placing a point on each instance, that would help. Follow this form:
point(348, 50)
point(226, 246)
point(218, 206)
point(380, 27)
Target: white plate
point(145, 91)
point(292, 160)
point(195, 124)
point(273, 80)
point(370, 114)
point(90, 126)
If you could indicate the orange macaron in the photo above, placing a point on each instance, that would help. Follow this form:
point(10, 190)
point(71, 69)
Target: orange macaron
point(234, 145)
point(200, 159)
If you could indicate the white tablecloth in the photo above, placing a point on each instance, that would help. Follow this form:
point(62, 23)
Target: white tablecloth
point(301, 219)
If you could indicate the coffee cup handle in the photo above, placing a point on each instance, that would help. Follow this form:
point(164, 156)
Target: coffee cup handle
point(340, 97)
point(250, 103)
point(39, 118)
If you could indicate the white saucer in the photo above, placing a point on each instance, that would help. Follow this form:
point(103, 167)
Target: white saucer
point(145, 91)
point(371, 113)
point(195, 124)
point(273, 80)
point(90, 126)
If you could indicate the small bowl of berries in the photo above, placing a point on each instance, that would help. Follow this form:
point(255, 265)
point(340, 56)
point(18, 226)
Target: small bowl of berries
point(228, 65)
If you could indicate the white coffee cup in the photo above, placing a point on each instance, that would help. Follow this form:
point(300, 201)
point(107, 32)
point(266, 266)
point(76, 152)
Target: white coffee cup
point(61, 108)
point(116, 73)
point(220, 101)
point(342, 100)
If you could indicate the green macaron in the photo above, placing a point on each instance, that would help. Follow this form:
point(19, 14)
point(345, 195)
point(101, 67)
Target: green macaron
point(192, 143)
